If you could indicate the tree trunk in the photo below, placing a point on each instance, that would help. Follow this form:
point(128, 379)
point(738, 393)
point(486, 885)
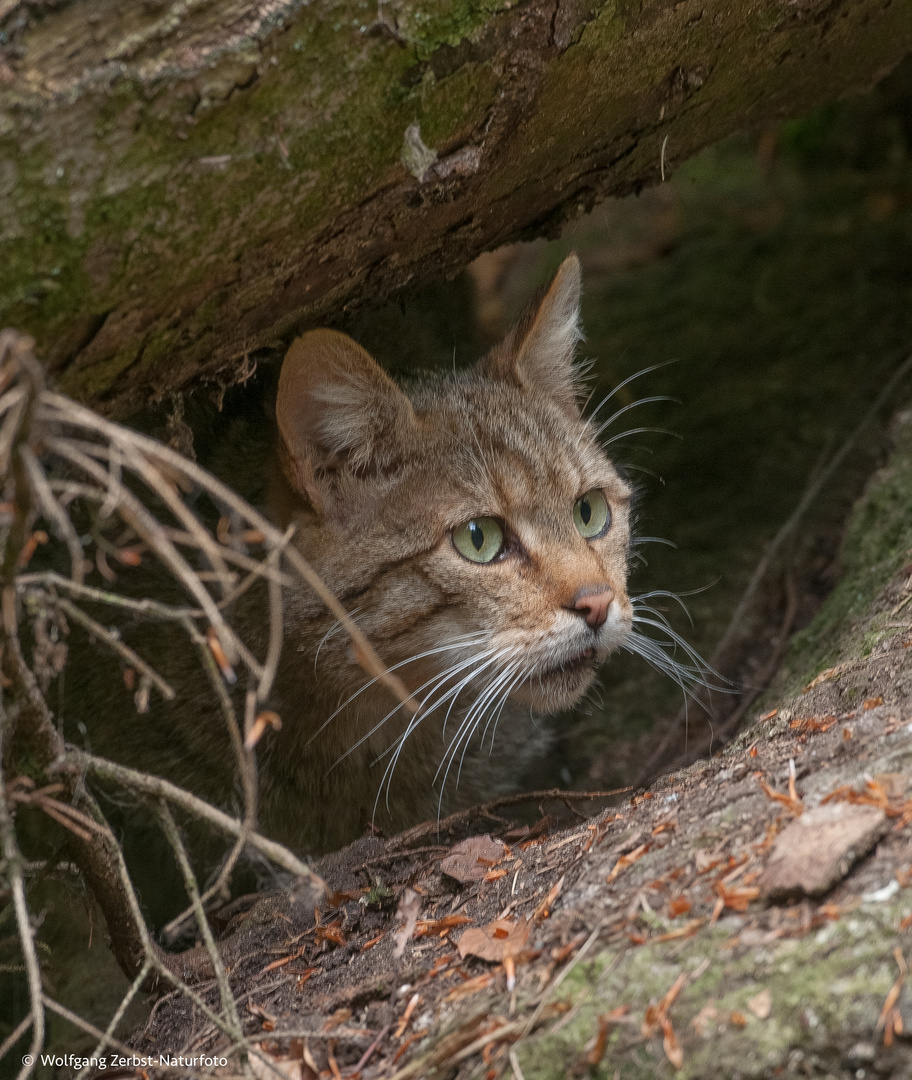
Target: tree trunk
point(185, 186)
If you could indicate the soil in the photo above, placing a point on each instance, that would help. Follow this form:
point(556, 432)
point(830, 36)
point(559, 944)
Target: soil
point(683, 930)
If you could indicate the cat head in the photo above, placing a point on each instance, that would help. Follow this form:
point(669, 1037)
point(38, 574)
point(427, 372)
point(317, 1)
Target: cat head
point(471, 520)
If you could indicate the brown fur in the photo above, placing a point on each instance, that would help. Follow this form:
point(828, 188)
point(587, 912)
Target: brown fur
point(375, 478)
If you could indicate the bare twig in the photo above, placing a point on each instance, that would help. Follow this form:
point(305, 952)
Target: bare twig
point(14, 875)
point(112, 640)
point(427, 828)
point(155, 786)
point(227, 997)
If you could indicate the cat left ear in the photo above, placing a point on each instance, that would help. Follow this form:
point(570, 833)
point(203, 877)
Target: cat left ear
point(538, 352)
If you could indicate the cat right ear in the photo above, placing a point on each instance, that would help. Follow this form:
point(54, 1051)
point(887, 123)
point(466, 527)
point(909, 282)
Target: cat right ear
point(538, 352)
point(336, 409)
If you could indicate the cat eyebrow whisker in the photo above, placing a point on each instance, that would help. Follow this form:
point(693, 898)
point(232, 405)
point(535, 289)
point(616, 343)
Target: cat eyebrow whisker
point(639, 431)
point(629, 379)
point(633, 405)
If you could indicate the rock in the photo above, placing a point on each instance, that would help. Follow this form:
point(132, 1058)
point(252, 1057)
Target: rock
point(819, 848)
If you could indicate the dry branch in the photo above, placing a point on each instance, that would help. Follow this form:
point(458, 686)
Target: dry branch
point(58, 461)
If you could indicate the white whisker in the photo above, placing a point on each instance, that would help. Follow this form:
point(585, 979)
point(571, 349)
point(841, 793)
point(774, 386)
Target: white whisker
point(633, 405)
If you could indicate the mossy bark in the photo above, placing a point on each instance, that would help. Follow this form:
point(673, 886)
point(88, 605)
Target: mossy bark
point(184, 187)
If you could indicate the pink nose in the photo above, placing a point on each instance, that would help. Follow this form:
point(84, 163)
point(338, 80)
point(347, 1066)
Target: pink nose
point(594, 601)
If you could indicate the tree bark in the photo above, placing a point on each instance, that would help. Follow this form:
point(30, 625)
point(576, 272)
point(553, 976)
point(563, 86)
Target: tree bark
point(185, 186)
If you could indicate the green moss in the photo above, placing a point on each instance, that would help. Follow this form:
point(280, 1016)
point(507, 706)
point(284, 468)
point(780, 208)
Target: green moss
point(826, 988)
point(877, 545)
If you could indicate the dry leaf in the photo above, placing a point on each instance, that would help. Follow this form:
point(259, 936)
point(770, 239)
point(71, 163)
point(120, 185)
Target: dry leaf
point(627, 860)
point(470, 986)
point(472, 859)
point(761, 1005)
point(825, 676)
point(264, 720)
point(705, 1018)
point(670, 1044)
point(407, 914)
point(430, 927)
point(495, 942)
point(287, 1067)
point(678, 905)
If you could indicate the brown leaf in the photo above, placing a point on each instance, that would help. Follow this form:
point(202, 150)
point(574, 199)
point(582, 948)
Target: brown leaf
point(670, 1044)
point(495, 942)
point(627, 860)
point(470, 986)
point(428, 927)
point(264, 720)
point(407, 914)
point(761, 1005)
point(471, 860)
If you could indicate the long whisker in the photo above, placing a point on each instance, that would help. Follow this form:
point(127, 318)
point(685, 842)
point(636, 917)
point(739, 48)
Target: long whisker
point(629, 379)
point(396, 747)
point(633, 405)
point(456, 643)
point(639, 431)
point(467, 726)
point(434, 682)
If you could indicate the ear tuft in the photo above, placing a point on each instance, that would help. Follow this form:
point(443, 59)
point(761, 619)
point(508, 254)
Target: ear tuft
point(336, 409)
point(538, 352)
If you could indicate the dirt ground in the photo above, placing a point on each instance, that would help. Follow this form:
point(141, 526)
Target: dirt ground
point(747, 916)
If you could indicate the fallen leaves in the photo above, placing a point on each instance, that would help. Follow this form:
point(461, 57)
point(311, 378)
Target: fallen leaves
point(761, 1004)
point(625, 861)
point(266, 719)
point(890, 1020)
point(826, 676)
point(440, 927)
point(813, 724)
point(472, 860)
point(792, 801)
point(495, 942)
point(657, 1017)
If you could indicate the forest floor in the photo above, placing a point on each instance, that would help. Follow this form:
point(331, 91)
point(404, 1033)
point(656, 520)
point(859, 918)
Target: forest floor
point(745, 917)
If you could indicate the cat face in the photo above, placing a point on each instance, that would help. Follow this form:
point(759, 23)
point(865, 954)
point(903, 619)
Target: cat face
point(470, 521)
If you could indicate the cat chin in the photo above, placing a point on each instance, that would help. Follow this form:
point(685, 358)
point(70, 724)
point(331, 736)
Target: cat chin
point(556, 690)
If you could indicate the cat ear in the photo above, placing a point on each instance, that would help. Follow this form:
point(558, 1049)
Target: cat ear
point(538, 352)
point(336, 408)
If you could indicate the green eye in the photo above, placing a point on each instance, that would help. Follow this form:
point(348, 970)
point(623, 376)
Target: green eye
point(592, 514)
point(480, 540)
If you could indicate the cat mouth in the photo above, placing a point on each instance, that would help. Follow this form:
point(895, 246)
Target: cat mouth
point(572, 665)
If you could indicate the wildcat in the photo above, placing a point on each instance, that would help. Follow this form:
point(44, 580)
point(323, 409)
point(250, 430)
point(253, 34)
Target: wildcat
point(476, 531)
point(479, 535)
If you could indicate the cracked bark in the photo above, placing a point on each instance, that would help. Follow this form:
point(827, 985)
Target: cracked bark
point(183, 188)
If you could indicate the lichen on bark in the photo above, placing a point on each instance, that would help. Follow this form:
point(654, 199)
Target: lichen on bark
point(184, 189)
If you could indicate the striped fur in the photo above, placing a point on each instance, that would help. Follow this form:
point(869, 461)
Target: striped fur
point(375, 477)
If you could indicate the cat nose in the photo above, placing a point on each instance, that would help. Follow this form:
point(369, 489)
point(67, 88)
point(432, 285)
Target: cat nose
point(594, 600)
